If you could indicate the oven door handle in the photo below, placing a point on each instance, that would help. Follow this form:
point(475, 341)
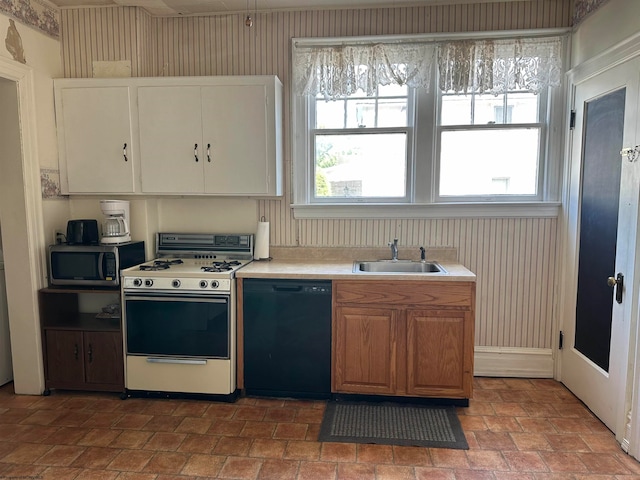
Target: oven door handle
point(180, 361)
point(183, 297)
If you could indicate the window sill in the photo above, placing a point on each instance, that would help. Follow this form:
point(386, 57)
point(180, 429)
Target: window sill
point(435, 210)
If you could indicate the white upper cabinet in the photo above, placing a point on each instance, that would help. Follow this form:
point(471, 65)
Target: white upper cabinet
point(192, 135)
point(239, 142)
point(171, 139)
point(95, 139)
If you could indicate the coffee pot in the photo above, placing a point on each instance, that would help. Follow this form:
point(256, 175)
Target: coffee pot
point(115, 228)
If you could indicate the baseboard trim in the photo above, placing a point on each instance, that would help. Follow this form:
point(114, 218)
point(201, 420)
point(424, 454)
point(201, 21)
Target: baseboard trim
point(513, 362)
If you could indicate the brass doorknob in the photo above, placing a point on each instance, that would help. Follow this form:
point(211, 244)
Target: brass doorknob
point(612, 282)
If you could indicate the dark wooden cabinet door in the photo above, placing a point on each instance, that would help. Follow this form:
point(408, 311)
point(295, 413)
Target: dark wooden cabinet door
point(64, 358)
point(103, 358)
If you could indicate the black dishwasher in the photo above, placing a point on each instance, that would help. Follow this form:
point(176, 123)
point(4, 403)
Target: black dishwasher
point(287, 337)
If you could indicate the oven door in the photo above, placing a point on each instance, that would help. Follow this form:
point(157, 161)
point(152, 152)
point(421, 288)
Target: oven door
point(171, 324)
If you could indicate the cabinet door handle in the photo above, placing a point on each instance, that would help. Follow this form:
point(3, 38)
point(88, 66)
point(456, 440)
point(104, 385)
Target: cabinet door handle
point(209, 152)
point(75, 351)
point(90, 353)
point(195, 152)
point(124, 152)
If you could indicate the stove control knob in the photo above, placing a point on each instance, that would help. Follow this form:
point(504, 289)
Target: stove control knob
point(175, 283)
point(148, 282)
point(137, 282)
point(215, 284)
point(203, 284)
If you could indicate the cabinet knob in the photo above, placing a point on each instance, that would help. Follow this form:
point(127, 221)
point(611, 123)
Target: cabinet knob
point(209, 152)
point(90, 353)
point(124, 152)
point(195, 152)
point(75, 351)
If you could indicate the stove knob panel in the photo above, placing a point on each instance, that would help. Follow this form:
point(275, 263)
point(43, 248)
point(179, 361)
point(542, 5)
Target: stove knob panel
point(175, 283)
point(148, 282)
point(215, 284)
point(203, 284)
point(137, 282)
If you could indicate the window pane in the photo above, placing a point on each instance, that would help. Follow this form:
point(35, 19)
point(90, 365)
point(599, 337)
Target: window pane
point(360, 165)
point(361, 113)
point(392, 113)
point(489, 109)
point(456, 110)
point(329, 114)
point(523, 106)
point(489, 162)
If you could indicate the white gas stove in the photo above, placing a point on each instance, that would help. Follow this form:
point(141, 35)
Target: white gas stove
point(180, 315)
point(192, 262)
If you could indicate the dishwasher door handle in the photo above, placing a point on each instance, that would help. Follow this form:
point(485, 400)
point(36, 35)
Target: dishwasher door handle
point(281, 288)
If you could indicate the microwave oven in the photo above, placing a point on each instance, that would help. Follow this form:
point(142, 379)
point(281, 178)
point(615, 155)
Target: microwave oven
point(92, 265)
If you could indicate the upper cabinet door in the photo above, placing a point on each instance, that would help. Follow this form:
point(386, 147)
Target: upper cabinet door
point(235, 126)
point(217, 135)
point(95, 139)
point(171, 150)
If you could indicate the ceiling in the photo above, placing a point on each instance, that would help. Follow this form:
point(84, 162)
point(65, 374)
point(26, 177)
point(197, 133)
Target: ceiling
point(212, 7)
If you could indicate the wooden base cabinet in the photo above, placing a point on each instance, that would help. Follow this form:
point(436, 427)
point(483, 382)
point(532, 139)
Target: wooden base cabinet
point(81, 352)
point(85, 360)
point(408, 339)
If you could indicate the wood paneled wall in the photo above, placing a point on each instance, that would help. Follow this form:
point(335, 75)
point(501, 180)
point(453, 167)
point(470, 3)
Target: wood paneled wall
point(513, 258)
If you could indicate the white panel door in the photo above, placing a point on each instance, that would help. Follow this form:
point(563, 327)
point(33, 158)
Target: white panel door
point(235, 133)
point(595, 365)
point(171, 151)
point(94, 133)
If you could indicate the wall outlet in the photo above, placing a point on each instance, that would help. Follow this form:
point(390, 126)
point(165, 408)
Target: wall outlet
point(58, 237)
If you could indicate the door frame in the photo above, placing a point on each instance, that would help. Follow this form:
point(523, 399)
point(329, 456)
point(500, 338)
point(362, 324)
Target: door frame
point(628, 421)
point(23, 283)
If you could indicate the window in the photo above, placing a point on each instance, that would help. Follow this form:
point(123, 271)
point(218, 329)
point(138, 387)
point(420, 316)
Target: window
point(491, 146)
point(473, 127)
point(361, 146)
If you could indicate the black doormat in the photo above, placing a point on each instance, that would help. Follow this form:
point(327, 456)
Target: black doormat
point(392, 424)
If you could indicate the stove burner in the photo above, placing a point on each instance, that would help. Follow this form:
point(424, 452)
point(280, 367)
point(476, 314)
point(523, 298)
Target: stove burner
point(217, 267)
point(160, 265)
point(232, 263)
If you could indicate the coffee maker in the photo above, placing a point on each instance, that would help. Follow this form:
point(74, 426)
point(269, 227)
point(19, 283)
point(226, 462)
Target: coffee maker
point(115, 228)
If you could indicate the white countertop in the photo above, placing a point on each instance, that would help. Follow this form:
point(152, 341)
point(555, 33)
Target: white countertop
point(343, 269)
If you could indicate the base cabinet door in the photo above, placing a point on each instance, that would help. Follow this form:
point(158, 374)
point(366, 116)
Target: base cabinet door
point(103, 357)
point(84, 360)
point(64, 360)
point(366, 350)
point(436, 363)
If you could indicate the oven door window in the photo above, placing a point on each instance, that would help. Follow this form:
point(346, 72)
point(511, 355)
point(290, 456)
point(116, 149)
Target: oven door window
point(172, 326)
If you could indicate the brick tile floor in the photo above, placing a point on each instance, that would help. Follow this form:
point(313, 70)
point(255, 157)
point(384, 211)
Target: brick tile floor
point(516, 429)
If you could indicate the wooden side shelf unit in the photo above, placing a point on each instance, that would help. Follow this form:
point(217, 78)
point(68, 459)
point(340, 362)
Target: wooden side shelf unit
point(81, 351)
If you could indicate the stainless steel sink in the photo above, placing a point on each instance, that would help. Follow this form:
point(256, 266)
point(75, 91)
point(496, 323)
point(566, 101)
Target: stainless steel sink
point(398, 266)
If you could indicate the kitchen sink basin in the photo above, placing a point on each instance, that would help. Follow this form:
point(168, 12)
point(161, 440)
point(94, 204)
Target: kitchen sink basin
point(398, 266)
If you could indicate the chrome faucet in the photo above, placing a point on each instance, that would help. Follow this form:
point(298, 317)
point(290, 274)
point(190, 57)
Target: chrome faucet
point(394, 249)
point(423, 254)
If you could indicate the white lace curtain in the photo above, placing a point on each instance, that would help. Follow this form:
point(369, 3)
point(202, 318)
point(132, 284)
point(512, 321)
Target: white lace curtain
point(340, 71)
point(481, 66)
point(497, 66)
